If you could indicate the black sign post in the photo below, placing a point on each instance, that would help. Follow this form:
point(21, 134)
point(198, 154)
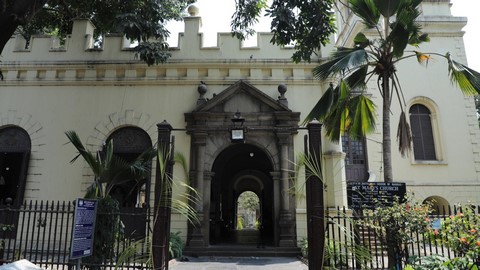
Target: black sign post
point(83, 229)
point(372, 194)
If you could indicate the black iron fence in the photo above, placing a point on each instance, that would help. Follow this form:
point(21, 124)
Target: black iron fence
point(41, 233)
point(349, 244)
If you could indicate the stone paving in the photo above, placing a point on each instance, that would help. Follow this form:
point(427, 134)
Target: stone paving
point(238, 263)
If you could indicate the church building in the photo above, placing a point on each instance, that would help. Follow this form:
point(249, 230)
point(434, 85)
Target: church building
point(236, 114)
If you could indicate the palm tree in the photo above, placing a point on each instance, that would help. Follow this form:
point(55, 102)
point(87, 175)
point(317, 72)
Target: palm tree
point(346, 107)
point(110, 170)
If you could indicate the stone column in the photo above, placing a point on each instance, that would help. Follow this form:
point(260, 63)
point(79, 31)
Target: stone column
point(334, 172)
point(276, 204)
point(286, 221)
point(198, 232)
point(207, 188)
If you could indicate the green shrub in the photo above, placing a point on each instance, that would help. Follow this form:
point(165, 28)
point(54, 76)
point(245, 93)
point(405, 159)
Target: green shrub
point(176, 245)
point(108, 228)
point(240, 222)
point(396, 224)
point(304, 247)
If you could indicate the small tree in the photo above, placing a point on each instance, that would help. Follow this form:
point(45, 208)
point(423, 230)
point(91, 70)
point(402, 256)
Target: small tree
point(396, 225)
point(348, 107)
point(461, 233)
point(108, 171)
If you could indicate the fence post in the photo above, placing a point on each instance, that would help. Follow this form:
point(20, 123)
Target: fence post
point(315, 199)
point(163, 197)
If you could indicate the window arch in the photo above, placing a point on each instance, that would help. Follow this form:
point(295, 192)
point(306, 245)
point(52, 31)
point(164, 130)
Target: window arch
point(15, 147)
point(422, 133)
point(128, 144)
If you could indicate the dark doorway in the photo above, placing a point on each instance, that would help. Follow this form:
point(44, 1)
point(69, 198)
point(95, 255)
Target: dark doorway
point(15, 146)
point(238, 169)
point(133, 196)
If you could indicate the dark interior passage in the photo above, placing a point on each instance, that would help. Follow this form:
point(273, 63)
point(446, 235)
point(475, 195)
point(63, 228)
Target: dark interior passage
point(240, 168)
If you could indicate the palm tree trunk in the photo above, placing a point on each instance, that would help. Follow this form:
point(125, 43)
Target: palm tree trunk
point(387, 141)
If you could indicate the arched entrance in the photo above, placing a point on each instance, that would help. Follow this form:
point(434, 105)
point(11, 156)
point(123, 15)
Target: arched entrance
point(15, 148)
point(240, 168)
point(133, 196)
point(222, 168)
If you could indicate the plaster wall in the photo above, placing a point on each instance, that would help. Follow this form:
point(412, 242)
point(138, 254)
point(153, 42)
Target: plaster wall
point(49, 89)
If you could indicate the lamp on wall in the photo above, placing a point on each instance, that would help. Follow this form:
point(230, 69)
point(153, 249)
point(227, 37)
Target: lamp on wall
point(237, 132)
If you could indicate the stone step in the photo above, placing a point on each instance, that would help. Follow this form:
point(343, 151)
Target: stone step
point(242, 251)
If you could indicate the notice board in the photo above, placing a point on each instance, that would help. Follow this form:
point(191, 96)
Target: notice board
point(372, 194)
point(83, 228)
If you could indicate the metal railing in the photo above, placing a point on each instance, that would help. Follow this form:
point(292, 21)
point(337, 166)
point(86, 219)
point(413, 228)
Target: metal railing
point(41, 233)
point(346, 240)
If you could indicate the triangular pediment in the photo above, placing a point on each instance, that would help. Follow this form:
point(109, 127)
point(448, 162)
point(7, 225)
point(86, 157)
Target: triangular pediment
point(242, 97)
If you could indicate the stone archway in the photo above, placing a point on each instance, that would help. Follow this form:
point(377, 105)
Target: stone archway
point(215, 160)
point(15, 147)
point(240, 168)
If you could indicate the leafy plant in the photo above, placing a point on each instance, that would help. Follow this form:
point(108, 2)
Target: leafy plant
point(108, 171)
point(176, 245)
point(240, 221)
point(4, 228)
point(460, 232)
point(182, 204)
point(437, 262)
point(396, 224)
point(304, 247)
point(335, 252)
point(108, 229)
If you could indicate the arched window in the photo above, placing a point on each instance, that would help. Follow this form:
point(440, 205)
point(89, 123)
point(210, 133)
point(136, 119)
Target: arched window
point(133, 196)
point(422, 133)
point(128, 144)
point(15, 146)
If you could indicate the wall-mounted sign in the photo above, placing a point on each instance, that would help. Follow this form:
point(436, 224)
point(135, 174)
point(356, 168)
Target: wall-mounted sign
point(372, 194)
point(83, 228)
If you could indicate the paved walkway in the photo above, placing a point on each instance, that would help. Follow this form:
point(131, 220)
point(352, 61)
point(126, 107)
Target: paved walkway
point(238, 263)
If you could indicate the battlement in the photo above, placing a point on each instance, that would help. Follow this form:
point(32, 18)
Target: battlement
point(79, 46)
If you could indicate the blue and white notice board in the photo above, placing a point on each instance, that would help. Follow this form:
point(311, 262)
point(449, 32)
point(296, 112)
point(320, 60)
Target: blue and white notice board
point(83, 228)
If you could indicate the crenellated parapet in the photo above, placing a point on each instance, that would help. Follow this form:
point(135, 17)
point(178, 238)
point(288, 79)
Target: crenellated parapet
point(79, 46)
point(78, 61)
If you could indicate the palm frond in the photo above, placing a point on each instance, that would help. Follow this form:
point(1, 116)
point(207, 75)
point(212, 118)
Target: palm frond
point(367, 11)
point(338, 119)
point(342, 61)
point(467, 79)
point(182, 161)
point(405, 30)
point(313, 167)
point(323, 106)
point(364, 116)
point(361, 40)
point(83, 152)
point(387, 7)
point(404, 135)
point(357, 80)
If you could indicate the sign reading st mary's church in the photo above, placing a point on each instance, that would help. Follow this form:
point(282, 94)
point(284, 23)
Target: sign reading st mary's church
point(371, 194)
